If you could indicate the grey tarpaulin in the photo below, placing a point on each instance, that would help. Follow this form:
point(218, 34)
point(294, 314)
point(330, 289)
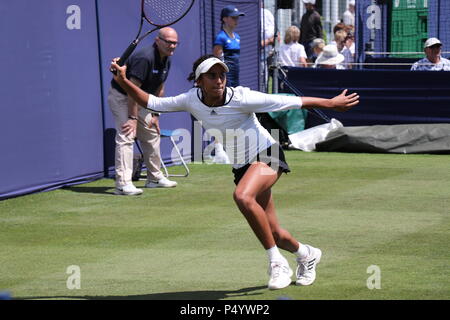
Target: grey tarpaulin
point(408, 138)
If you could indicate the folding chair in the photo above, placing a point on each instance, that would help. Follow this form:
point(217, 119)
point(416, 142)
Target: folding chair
point(170, 134)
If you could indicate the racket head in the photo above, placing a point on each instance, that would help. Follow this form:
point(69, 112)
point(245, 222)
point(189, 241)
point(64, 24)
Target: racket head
point(164, 13)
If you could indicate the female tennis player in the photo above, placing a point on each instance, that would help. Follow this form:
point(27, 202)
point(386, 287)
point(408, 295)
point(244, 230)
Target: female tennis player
point(258, 161)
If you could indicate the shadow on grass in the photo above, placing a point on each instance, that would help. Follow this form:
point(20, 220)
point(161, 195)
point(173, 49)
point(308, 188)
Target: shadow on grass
point(184, 295)
point(95, 190)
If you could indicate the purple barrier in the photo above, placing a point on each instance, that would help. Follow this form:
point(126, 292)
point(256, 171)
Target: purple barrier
point(50, 90)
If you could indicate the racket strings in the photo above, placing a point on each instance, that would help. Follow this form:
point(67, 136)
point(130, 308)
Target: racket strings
point(164, 12)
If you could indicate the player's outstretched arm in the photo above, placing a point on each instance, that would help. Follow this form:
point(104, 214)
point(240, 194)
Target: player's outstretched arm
point(342, 102)
point(138, 95)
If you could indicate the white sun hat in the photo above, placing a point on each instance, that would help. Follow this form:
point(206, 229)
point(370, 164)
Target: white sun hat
point(431, 42)
point(207, 64)
point(330, 55)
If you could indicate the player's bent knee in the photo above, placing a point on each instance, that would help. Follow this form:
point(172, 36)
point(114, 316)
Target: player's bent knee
point(243, 200)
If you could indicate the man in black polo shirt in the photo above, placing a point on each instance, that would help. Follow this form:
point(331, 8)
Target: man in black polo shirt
point(148, 68)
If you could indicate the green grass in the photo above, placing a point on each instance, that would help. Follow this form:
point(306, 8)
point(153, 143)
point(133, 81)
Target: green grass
point(191, 242)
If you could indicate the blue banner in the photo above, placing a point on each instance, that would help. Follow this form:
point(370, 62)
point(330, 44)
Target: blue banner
point(371, 27)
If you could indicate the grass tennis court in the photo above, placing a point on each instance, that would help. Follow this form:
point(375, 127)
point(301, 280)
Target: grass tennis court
point(191, 242)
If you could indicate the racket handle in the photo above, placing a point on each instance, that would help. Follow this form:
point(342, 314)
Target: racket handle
point(126, 54)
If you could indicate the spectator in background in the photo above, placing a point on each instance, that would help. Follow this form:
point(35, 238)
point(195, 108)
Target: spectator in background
point(350, 42)
point(330, 58)
point(339, 37)
point(267, 42)
point(339, 26)
point(310, 26)
point(317, 47)
point(292, 53)
point(343, 42)
point(227, 45)
point(339, 42)
point(348, 51)
point(148, 68)
point(350, 30)
point(348, 17)
point(433, 60)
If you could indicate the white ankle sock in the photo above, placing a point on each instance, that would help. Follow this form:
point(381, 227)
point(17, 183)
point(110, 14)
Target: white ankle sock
point(274, 254)
point(302, 251)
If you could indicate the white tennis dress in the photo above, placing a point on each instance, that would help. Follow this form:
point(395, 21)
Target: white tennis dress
point(234, 123)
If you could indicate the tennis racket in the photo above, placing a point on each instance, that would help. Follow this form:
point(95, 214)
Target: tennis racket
point(158, 14)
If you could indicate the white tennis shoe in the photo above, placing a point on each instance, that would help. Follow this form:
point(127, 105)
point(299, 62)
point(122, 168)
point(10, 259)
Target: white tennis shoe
point(128, 190)
point(280, 275)
point(306, 268)
point(161, 183)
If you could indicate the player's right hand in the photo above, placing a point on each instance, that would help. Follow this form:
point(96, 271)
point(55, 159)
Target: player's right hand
point(120, 70)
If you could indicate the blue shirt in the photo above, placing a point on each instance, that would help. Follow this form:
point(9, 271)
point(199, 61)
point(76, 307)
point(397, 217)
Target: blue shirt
point(231, 46)
point(426, 65)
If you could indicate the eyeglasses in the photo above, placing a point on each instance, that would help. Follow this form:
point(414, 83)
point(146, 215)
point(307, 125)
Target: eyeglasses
point(174, 43)
point(215, 75)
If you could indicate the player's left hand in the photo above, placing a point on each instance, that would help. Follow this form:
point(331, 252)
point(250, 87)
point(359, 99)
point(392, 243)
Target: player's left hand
point(343, 102)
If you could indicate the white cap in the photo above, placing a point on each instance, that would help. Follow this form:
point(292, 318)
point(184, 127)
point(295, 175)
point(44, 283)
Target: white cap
point(330, 55)
point(431, 42)
point(207, 64)
point(309, 1)
point(351, 2)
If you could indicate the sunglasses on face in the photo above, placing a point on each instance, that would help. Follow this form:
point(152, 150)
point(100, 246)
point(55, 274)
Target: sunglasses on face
point(215, 75)
point(174, 43)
